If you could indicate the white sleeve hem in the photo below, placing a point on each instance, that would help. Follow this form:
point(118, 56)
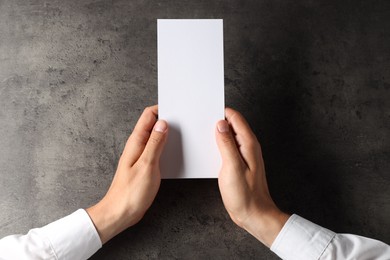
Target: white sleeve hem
point(72, 237)
point(301, 239)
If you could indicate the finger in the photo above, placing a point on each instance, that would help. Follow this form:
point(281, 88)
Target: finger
point(248, 145)
point(239, 124)
point(154, 147)
point(227, 144)
point(138, 139)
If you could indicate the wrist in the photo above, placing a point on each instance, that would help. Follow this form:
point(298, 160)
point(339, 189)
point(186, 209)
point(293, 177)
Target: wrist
point(108, 221)
point(265, 226)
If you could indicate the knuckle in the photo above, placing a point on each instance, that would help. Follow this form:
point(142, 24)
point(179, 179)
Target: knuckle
point(148, 160)
point(253, 145)
point(154, 139)
point(144, 161)
point(227, 139)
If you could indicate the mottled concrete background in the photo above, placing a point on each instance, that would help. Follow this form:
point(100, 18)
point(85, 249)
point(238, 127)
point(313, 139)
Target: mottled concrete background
point(312, 77)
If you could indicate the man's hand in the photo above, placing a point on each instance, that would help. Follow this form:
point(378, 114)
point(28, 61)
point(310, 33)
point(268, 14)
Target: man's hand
point(242, 180)
point(136, 180)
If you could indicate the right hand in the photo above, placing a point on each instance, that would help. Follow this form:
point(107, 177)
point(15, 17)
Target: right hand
point(242, 181)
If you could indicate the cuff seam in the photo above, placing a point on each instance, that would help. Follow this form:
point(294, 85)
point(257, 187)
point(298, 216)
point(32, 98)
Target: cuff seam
point(327, 245)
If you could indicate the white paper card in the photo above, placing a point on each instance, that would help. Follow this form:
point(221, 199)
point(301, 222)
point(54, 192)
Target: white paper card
point(190, 95)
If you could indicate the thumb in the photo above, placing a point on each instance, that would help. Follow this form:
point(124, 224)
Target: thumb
point(154, 146)
point(227, 144)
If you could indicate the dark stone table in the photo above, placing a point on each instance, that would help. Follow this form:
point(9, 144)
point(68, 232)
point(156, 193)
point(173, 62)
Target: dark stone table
point(311, 77)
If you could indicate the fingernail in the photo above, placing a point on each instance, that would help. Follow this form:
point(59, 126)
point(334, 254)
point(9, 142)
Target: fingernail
point(223, 127)
point(160, 126)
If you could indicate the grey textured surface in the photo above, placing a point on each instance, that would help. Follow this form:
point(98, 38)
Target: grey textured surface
point(312, 78)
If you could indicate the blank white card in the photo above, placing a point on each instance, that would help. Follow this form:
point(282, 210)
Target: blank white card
point(190, 95)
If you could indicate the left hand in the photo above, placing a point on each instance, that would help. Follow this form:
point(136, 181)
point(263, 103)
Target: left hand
point(136, 180)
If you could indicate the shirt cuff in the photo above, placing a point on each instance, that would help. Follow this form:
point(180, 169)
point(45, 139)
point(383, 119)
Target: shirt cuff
point(73, 237)
point(301, 239)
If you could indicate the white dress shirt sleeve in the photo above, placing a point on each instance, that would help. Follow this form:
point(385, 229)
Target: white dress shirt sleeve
point(72, 237)
point(301, 239)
